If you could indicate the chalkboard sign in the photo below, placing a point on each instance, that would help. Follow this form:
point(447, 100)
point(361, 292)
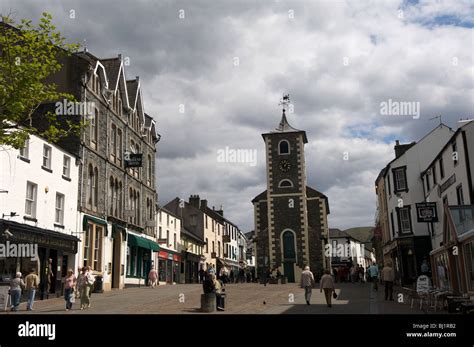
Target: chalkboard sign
point(423, 284)
point(4, 297)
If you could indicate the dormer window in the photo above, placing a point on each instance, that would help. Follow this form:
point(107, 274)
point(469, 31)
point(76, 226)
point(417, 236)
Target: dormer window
point(283, 147)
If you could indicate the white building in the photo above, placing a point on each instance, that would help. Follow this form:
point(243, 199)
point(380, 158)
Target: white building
point(448, 182)
point(448, 178)
point(344, 250)
point(410, 241)
point(168, 259)
point(38, 205)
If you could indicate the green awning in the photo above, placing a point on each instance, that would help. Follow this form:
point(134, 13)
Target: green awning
point(141, 242)
point(96, 220)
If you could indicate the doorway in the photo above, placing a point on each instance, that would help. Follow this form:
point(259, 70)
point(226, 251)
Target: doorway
point(289, 255)
point(116, 260)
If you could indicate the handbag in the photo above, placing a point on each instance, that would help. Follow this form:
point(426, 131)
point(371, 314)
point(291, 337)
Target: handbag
point(72, 298)
point(334, 295)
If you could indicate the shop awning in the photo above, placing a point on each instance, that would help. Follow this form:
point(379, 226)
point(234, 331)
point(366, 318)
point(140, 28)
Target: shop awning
point(142, 242)
point(93, 219)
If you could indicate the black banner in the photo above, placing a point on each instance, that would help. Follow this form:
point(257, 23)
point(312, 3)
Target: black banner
point(367, 330)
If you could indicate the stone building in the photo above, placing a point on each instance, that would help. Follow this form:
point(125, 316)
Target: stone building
point(116, 202)
point(290, 218)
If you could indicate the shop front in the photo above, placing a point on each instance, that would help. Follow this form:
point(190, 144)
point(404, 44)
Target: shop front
point(190, 267)
point(453, 262)
point(50, 253)
point(140, 256)
point(169, 266)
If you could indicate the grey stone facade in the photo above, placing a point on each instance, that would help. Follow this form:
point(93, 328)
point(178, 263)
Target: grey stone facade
point(294, 208)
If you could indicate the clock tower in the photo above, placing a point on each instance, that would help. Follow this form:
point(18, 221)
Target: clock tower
point(290, 217)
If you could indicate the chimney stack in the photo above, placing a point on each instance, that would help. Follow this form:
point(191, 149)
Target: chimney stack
point(203, 204)
point(194, 200)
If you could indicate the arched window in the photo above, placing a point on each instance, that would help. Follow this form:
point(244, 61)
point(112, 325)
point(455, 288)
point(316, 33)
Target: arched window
point(283, 147)
point(138, 208)
point(96, 187)
point(149, 170)
point(90, 183)
point(111, 195)
point(286, 183)
point(120, 202)
point(116, 200)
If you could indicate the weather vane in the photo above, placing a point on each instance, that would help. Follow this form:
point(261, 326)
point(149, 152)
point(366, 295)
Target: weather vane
point(285, 101)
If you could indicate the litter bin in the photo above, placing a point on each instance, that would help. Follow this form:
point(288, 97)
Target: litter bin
point(99, 284)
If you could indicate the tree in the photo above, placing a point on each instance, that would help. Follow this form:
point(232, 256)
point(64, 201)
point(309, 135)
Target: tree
point(29, 54)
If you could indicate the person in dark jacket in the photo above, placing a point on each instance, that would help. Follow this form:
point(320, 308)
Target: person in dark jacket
point(208, 285)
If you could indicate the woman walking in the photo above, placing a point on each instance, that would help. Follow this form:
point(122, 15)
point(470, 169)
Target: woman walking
point(327, 284)
point(16, 285)
point(152, 277)
point(84, 288)
point(69, 285)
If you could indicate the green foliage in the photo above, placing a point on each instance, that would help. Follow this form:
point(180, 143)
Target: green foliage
point(29, 54)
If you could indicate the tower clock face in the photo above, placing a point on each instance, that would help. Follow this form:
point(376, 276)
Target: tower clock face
point(285, 165)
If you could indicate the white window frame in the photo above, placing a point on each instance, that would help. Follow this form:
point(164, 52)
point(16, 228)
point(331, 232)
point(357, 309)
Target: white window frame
point(25, 150)
point(67, 166)
point(59, 210)
point(47, 154)
point(31, 199)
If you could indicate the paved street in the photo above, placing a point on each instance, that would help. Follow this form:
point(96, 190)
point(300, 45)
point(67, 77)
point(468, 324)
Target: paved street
point(241, 299)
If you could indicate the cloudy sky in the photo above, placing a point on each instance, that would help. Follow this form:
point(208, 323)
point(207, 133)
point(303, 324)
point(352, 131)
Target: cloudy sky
point(213, 74)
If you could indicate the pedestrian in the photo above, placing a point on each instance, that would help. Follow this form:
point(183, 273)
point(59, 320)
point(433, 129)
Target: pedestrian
point(208, 285)
point(327, 284)
point(152, 277)
point(32, 284)
point(69, 285)
point(201, 275)
point(211, 270)
point(219, 290)
point(231, 276)
point(49, 276)
point(373, 273)
point(84, 287)
point(77, 293)
point(307, 282)
point(361, 274)
point(90, 280)
point(425, 268)
point(388, 276)
point(16, 285)
point(354, 273)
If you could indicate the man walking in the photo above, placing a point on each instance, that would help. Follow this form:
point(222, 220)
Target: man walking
point(373, 273)
point(388, 276)
point(32, 283)
point(307, 282)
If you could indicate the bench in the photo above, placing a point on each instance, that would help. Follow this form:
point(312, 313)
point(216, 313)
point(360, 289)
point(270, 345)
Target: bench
point(208, 302)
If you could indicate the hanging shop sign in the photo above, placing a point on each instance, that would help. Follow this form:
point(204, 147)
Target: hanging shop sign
point(426, 212)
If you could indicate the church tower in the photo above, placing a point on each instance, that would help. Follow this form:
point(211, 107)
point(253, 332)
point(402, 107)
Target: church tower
point(290, 218)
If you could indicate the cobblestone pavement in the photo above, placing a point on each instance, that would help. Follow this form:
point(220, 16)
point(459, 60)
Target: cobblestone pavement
point(245, 298)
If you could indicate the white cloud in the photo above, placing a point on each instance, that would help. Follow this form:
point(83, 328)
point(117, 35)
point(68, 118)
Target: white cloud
point(191, 62)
